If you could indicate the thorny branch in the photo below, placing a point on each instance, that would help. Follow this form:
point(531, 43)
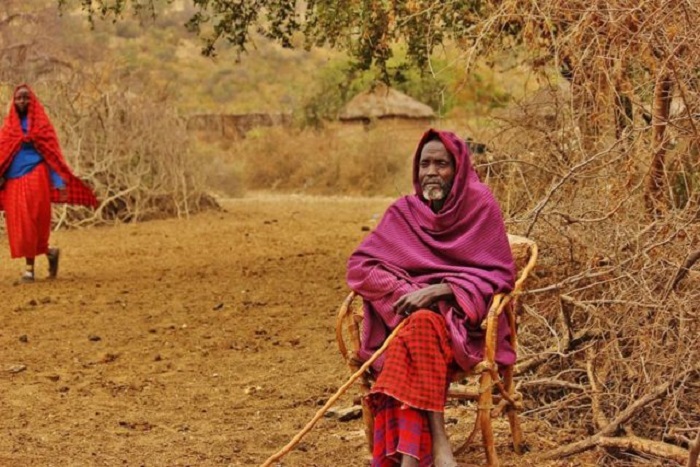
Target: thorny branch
point(623, 417)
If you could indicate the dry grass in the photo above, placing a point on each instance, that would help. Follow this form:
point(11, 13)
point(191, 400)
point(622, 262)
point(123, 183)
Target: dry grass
point(340, 159)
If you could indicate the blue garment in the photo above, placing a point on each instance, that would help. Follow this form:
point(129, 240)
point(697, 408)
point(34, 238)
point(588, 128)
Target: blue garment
point(27, 158)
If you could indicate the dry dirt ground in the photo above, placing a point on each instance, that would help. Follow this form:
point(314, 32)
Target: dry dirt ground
point(201, 341)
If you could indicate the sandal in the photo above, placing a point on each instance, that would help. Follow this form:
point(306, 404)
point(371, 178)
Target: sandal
point(53, 256)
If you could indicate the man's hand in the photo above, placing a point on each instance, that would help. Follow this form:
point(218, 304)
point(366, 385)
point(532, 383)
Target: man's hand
point(422, 298)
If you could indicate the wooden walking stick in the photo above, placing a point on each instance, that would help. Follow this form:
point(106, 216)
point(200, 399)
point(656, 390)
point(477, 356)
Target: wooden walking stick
point(286, 449)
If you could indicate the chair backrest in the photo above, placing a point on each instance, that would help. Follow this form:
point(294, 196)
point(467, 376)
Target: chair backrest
point(524, 252)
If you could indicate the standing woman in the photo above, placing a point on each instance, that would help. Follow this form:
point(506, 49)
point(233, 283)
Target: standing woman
point(33, 174)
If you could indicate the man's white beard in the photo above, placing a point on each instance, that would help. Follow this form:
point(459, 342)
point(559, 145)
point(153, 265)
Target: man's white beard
point(434, 193)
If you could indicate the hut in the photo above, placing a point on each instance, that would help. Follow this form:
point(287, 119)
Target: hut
point(383, 103)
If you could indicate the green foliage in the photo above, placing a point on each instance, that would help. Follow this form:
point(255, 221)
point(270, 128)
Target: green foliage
point(368, 30)
point(342, 79)
point(313, 85)
point(424, 87)
point(486, 93)
point(335, 84)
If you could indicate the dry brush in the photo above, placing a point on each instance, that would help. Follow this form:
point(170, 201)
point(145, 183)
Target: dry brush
point(601, 168)
point(135, 152)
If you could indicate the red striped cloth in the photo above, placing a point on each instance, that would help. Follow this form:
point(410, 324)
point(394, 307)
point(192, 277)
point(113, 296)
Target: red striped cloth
point(28, 213)
point(417, 363)
point(399, 429)
point(414, 379)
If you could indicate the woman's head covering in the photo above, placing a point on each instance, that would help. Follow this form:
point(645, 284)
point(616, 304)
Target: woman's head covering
point(41, 134)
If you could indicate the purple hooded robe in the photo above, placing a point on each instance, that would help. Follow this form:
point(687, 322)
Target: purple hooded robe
point(464, 245)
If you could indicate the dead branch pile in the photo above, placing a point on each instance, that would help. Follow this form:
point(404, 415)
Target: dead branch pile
point(135, 153)
point(601, 168)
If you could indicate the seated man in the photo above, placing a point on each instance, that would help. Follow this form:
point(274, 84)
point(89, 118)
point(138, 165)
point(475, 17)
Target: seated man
point(436, 259)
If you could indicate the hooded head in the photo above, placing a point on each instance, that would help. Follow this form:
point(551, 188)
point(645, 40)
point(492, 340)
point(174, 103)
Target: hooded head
point(22, 99)
point(442, 171)
point(436, 173)
point(25, 104)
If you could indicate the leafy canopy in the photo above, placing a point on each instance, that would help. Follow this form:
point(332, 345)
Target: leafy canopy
point(366, 29)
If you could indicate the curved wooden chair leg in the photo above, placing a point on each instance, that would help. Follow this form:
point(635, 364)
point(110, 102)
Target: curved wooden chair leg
point(368, 420)
point(485, 406)
point(512, 412)
point(515, 430)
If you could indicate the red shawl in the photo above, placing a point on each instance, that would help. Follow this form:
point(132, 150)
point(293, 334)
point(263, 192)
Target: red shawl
point(464, 245)
point(43, 136)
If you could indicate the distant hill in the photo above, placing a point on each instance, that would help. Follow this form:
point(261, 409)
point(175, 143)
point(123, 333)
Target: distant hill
point(164, 55)
point(160, 58)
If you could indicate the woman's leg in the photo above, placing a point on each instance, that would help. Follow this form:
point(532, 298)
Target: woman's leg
point(53, 255)
point(28, 275)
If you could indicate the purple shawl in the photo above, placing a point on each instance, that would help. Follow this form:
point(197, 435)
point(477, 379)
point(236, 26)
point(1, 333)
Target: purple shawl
point(464, 245)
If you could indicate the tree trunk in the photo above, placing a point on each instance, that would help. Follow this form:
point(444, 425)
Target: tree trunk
point(654, 196)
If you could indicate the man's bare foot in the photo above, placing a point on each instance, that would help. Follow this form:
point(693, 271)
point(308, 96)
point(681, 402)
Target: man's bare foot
point(442, 450)
point(443, 456)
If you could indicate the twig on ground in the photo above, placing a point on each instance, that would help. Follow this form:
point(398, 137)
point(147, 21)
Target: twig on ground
point(645, 446)
point(598, 415)
point(694, 451)
point(622, 417)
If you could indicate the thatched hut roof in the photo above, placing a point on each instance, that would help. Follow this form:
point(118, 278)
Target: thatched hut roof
point(385, 102)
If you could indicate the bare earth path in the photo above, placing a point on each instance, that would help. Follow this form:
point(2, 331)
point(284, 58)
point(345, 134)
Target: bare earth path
point(206, 341)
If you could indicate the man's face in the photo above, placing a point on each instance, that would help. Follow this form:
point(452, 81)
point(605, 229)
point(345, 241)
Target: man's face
point(436, 171)
point(22, 98)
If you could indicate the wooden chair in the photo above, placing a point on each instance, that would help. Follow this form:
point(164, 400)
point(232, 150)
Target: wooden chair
point(495, 383)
